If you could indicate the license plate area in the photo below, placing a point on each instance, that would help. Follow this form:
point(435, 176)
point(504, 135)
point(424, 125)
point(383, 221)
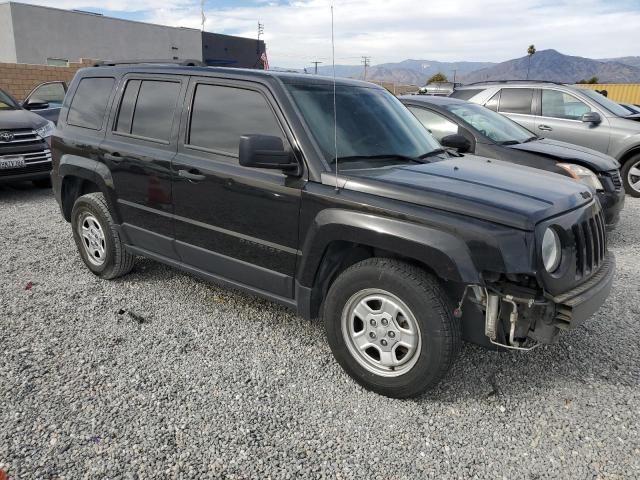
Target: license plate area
point(14, 161)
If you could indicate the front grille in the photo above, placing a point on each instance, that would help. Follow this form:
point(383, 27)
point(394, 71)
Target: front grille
point(23, 137)
point(616, 179)
point(36, 153)
point(591, 244)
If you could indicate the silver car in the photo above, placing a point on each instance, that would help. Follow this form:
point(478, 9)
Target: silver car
point(569, 114)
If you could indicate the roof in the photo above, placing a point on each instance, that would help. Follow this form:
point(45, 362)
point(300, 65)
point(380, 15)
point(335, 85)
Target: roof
point(431, 99)
point(285, 77)
point(519, 83)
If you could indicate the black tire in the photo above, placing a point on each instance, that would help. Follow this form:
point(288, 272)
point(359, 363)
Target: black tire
point(633, 162)
point(116, 261)
point(428, 303)
point(42, 183)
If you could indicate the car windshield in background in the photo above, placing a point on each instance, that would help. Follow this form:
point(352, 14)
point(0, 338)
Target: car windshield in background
point(610, 105)
point(373, 128)
point(6, 102)
point(491, 124)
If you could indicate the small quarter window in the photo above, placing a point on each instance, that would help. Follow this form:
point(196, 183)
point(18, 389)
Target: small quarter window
point(89, 103)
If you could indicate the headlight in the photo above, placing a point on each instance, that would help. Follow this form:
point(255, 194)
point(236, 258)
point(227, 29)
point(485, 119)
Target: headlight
point(551, 250)
point(582, 175)
point(46, 130)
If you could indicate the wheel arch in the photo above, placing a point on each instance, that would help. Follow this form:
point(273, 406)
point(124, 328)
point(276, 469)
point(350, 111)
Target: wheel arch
point(339, 239)
point(79, 176)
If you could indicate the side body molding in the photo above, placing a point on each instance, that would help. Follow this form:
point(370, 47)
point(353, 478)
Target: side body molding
point(443, 252)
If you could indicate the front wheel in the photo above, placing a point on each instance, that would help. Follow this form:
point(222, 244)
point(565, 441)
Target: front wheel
point(389, 325)
point(631, 176)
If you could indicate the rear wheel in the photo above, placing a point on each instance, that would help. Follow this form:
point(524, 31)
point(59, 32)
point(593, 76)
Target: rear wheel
point(631, 176)
point(97, 237)
point(390, 327)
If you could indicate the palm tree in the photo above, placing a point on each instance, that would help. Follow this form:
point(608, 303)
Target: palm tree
point(531, 52)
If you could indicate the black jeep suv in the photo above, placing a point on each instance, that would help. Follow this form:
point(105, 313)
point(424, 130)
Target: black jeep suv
point(251, 179)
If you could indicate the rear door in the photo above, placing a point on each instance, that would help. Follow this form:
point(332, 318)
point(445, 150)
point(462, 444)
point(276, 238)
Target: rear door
point(140, 143)
point(234, 222)
point(517, 104)
point(560, 116)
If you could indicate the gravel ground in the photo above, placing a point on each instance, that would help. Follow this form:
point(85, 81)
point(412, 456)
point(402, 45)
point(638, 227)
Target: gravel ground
point(160, 375)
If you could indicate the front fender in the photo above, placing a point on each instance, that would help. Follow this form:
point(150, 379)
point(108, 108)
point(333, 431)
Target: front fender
point(445, 253)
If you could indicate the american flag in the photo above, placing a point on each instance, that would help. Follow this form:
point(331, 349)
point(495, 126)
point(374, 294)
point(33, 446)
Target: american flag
point(264, 60)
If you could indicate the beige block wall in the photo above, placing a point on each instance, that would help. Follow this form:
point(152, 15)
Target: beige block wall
point(18, 79)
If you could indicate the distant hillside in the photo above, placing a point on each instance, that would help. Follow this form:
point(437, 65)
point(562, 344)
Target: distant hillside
point(632, 61)
point(407, 72)
point(553, 65)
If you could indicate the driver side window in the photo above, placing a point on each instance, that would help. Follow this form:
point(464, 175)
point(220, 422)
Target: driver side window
point(558, 104)
point(437, 125)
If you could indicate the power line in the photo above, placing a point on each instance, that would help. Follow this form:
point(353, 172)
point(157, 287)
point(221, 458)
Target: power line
point(366, 61)
point(316, 66)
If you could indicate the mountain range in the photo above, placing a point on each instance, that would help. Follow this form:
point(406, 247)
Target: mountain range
point(545, 65)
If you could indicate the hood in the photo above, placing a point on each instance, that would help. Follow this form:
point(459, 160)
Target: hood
point(567, 152)
point(14, 119)
point(492, 190)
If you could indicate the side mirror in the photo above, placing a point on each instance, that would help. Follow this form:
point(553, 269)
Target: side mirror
point(266, 151)
point(591, 117)
point(457, 141)
point(35, 104)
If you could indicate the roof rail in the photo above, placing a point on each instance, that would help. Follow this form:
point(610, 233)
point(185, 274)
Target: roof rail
point(515, 81)
point(183, 62)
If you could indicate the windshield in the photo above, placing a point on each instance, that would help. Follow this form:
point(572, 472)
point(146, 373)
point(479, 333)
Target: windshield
point(497, 127)
point(6, 102)
point(370, 123)
point(612, 106)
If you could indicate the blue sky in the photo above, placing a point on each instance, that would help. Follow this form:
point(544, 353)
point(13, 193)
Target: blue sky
point(297, 32)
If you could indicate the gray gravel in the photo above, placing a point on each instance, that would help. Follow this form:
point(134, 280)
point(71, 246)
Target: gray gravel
point(160, 375)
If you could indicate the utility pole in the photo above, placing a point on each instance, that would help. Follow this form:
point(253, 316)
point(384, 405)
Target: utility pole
point(316, 66)
point(366, 61)
point(454, 78)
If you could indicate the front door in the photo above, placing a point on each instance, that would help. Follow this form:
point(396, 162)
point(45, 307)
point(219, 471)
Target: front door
point(560, 119)
point(234, 222)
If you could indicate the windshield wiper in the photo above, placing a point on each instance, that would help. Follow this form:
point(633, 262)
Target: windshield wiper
point(510, 142)
point(405, 158)
point(531, 139)
point(432, 153)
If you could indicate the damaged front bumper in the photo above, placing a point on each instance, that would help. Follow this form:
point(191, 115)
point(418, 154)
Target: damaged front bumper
point(523, 322)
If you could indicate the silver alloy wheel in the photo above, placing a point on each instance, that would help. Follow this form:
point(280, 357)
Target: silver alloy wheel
point(633, 176)
point(92, 236)
point(381, 332)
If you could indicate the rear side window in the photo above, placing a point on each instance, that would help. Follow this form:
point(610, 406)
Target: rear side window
point(147, 109)
point(465, 94)
point(221, 115)
point(516, 100)
point(89, 103)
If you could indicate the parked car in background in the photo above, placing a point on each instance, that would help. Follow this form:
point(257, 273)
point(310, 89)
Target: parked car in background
point(46, 100)
point(343, 210)
point(469, 127)
point(569, 114)
point(24, 144)
point(631, 107)
point(437, 88)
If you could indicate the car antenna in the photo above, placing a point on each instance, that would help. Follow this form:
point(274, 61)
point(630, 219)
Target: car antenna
point(335, 114)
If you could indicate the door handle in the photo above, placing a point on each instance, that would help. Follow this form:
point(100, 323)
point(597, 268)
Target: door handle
point(545, 128)
point(114, 157)
point(192, 175)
